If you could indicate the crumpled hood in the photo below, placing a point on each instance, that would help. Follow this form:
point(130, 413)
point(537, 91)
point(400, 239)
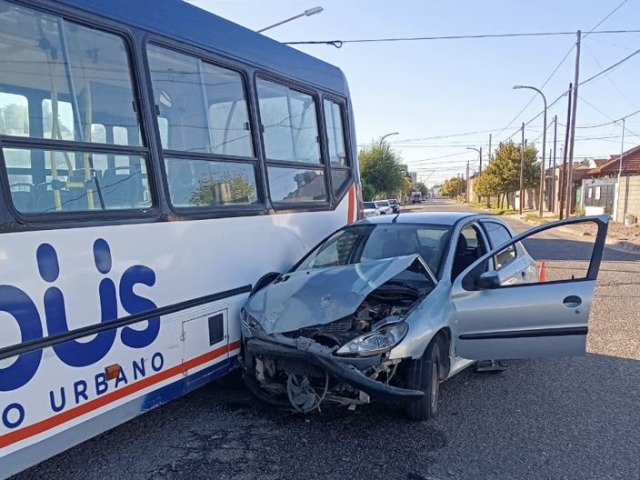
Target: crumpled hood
point(320, 296)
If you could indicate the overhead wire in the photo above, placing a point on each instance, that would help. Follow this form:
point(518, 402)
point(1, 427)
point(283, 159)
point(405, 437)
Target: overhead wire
point(340, 43)
point(590, 32)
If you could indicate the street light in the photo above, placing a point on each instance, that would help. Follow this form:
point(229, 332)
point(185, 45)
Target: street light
point(544, 142)
point(387, 135)
point(306, 13)
point(479, 150)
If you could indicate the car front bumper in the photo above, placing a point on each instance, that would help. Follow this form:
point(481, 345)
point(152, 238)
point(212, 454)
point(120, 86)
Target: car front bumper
point(345, 369)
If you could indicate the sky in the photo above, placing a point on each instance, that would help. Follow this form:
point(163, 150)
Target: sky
point(431, 92)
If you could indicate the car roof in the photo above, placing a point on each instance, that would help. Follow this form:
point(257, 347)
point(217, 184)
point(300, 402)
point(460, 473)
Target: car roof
point(433, 218)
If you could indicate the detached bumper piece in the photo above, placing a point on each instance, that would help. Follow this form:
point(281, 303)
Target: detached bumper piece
point(340, 369)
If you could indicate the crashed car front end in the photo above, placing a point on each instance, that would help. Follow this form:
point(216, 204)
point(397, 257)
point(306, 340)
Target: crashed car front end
point(326, 336)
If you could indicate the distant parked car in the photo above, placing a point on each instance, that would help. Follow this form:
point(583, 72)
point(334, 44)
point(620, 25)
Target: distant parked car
point(384, 206)
point(395, 205)
point(370, 209)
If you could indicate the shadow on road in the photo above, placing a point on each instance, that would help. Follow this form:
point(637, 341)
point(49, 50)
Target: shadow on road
point(557, 418)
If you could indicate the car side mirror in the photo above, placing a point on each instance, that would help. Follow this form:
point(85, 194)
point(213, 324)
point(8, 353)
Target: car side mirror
point(488, 280)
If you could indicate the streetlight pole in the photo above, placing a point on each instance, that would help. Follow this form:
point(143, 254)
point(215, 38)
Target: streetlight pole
point(479, 150)
point(544, 143)
point(387, 135)
point(306, 13)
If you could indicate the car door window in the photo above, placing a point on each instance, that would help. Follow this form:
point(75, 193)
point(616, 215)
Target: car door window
point(469, 247)
point(498, 235)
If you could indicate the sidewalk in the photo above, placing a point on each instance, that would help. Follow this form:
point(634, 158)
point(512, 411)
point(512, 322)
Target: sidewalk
point(618, 235)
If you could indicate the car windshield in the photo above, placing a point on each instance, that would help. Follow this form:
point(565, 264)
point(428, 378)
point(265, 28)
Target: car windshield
point(382, 203)
point(393, 202)
point(361, 243)
point(369, 205)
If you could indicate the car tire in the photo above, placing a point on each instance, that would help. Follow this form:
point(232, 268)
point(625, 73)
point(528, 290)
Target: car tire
point(424, 374)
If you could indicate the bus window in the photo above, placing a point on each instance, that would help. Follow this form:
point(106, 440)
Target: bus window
point(179, 99)
point(292, 185)
point(62, 127)
point(202, 106)
point(336, 141)
point(289, 123)
point(14, 121)
point(77, 82)
point(14, 115)
point(335, 134)
point(205, 183)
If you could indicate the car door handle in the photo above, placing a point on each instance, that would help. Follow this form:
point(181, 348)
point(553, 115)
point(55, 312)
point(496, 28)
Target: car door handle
point(572, 301)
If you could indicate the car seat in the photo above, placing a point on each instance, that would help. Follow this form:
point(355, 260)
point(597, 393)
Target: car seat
point(463, 257)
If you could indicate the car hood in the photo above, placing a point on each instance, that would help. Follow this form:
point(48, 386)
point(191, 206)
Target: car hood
point(321, 296)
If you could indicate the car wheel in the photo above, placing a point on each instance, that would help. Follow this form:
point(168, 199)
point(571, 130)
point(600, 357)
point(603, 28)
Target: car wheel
point(424, 374)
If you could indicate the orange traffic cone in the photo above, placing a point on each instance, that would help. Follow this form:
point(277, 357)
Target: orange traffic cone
point(542, 273)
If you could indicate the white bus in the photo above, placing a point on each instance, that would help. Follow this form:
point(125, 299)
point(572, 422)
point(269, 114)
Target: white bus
point(156, 160)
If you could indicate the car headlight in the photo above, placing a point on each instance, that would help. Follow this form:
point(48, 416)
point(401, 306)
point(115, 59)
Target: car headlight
point(376, 342)
point(250, 322)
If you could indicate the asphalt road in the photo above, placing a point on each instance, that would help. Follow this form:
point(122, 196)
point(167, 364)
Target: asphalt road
point(569, 418)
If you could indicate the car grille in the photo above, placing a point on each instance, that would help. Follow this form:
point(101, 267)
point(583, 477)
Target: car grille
point(339, 326)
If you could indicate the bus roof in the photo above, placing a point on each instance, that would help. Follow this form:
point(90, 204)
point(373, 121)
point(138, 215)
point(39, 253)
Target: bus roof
point(181, 21)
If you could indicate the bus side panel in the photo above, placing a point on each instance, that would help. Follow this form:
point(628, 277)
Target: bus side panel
point(26, 457)
point(59, 278)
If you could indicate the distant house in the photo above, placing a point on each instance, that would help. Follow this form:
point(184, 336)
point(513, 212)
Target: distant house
point(600, 189)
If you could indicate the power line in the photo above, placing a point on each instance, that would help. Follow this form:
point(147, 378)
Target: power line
point(608, 123)
point(605, 18)
point(607, 116)
point(608, 69)
point(593, 30)
point(535, 95)
point(340, 43)
point(615, 85)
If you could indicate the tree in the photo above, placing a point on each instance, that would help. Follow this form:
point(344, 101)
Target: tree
point(407, 188)
point(380, 169)
point(453, 187)
point(368, 192)
point(504, 168)
point(486, 185)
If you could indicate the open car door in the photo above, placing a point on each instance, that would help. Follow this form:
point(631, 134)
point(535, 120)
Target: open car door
point(536, 319)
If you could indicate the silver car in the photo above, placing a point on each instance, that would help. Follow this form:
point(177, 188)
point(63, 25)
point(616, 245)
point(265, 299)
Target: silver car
point(384, 207)
point(391, 306)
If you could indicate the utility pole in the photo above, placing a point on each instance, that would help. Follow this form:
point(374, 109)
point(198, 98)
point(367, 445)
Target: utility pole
point(552, 179)
point(466, 185)
point(521, 169)
point(564, 155)
point(489, 156)
point(624, 211)
point(576, 81)
point(544, 151)
point(552, 203)
point(459, 185)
